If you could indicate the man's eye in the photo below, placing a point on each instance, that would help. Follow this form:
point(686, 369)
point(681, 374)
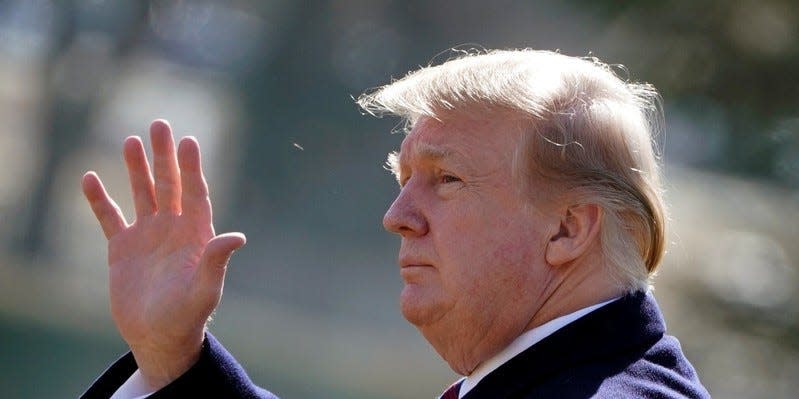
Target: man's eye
point(449, 179)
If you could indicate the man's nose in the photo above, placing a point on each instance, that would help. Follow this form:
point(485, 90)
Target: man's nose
point(404, 216)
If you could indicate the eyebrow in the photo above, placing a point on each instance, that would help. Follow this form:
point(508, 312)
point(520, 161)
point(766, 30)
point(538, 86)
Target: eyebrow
point(424, 151)
point(433, 152)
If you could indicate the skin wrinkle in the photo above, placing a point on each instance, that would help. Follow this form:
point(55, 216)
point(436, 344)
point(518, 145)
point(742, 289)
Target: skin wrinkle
point(485, 336)
point(482, 335)
point(433, 154)
point(481, 340)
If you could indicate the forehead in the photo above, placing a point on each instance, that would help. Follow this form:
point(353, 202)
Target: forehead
point(459, 138)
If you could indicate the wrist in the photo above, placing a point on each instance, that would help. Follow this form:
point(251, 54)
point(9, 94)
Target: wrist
point(160, 365)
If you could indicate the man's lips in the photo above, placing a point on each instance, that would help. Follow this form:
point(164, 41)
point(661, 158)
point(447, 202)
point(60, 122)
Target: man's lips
point(406, 262)
point(412, 271)
point(414, 265)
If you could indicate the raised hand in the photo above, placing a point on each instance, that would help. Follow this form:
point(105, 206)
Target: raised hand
point(167, 268)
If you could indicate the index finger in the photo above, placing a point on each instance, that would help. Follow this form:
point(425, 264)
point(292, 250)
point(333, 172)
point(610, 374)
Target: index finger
point(105, 209)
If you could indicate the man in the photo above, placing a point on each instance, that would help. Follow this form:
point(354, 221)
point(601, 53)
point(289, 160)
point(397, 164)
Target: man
point(531, 220)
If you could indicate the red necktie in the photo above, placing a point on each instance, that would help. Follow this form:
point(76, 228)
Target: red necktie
point(452, 391)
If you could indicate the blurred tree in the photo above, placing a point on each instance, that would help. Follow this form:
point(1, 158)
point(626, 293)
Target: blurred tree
point(89, 44)
point(737, 56)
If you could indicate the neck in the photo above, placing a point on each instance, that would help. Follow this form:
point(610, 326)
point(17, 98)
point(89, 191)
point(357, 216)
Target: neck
point(578, 285)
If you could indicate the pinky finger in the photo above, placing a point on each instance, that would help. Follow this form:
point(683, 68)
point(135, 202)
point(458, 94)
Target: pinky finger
point(105, 209)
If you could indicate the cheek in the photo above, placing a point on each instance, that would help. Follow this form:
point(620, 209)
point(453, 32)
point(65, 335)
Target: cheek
point(481, 252)
point(513, 258)
point(518, 245)
point(512, 263)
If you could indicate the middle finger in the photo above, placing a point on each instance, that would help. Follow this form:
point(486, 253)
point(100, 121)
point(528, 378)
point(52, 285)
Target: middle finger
point(165, 166)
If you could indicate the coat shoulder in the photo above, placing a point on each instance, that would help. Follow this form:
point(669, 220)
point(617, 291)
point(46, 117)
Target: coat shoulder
point(663, 372)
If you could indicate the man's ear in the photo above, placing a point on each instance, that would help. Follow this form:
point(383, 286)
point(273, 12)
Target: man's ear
point(579, 229)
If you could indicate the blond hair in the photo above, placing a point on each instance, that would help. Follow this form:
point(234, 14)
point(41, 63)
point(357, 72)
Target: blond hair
point(588, 131)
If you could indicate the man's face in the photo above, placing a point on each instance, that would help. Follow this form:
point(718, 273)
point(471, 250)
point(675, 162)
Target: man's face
point(472, 252)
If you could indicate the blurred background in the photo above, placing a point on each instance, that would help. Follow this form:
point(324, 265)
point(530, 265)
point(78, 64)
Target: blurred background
point(310, 306)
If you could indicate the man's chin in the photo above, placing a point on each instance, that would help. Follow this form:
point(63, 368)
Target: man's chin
point(417, 306)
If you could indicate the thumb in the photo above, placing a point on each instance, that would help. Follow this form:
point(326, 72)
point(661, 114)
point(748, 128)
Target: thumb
point(216, 256)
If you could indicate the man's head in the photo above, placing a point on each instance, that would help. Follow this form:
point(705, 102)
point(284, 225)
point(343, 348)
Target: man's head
point(528, 181)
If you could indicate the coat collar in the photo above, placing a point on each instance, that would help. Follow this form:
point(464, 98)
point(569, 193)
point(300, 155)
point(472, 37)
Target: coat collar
point(633, 323)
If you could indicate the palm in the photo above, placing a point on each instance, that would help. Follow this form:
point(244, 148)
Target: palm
point(167, 268)
point(153, 267)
